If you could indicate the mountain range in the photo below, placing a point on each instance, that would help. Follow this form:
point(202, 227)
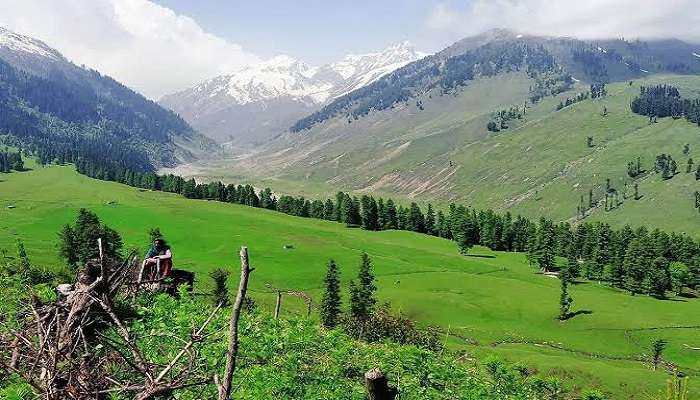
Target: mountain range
point(257, 103)
point(67, 113)
point(499, 120)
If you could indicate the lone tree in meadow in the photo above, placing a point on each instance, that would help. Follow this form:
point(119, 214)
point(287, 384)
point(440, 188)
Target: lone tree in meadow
point(565, 299)
point(657, 349)
point(330, 303)
point(362, 299)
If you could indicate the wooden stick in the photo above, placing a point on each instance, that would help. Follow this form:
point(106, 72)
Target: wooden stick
point(278, 305)
point(226, 385)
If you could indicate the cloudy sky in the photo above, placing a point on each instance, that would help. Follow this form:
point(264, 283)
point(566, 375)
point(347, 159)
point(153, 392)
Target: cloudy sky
point(161, 46)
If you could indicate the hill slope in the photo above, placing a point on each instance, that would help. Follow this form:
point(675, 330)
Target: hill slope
point(60, 109)
point(540, 165)
point(481, 301)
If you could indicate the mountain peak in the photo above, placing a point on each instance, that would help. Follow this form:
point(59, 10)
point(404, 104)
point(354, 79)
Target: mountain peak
point(15, 42)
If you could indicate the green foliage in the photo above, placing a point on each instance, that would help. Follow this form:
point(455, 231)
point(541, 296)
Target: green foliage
point(293, 359)
point(78, 243)
point(220, 293)
point(593, 395)
point(383, 325)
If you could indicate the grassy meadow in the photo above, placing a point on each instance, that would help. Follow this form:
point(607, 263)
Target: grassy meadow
point(486, 304)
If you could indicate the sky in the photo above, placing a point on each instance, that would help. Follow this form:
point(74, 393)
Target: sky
point(162, 46)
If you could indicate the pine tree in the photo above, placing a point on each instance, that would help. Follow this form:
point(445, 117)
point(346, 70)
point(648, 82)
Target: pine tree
point(362, 299)
point(220, 293)
point(657, 349)
point(416, 221)
point(430, 221)
point(465, 230)
point(80, 245)
point(329, 210)
point(391, 215)
point(572, 269)
point(545, 245)
point(330, 303)
point(634, 265)
point(565, 299)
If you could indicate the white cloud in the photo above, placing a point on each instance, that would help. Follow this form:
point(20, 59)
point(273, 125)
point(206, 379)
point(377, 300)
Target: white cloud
point(589, 19)
point(144, 45)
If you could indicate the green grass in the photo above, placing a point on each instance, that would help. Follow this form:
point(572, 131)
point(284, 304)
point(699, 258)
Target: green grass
point(480, 299)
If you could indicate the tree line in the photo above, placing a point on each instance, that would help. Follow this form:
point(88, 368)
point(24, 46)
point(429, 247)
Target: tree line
point(11, 161)
point(633, 259)
point(665, 101)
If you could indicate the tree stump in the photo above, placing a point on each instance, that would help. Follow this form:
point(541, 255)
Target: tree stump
point(377, 385)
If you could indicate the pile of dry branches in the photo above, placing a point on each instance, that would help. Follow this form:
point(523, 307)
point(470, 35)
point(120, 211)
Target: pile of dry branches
point(64, 352)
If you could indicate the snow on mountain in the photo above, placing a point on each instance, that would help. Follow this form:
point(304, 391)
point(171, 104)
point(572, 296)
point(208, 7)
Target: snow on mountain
point(696, 55)
point(19, 43)
point(229, 108)
point(285, 76)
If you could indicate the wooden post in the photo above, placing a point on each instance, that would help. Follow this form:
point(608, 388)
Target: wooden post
point(278, 305)
point(226, 386)
point(378, 386)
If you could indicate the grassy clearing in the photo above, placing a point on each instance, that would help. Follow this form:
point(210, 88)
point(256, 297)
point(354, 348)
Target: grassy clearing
point(480, 299)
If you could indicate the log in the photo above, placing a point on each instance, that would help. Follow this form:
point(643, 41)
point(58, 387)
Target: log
point(377, 385)
point(226, 385)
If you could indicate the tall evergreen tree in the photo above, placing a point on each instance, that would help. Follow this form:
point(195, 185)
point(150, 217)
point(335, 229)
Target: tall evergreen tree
point(565, 299)
point(416, 220)
point(429, 224)
point(362, 299)
point(545, 245)
point(330, 303)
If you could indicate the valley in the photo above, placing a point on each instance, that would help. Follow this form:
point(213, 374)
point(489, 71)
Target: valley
point(488, 303)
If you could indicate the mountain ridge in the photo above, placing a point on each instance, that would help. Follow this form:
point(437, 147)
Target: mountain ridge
point(60, 110)
point(284, 88)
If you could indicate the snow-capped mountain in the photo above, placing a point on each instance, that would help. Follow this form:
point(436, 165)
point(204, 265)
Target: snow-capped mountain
point(263, 100)
point(29, 54)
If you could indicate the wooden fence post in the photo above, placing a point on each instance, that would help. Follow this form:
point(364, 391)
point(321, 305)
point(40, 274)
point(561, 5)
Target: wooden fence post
point(378, 386)
point(278, 305)
point(226, 386)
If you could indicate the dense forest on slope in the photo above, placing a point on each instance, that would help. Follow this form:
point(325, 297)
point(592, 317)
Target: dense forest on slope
point(63, 112)
point(61, 120)
point(665, 101)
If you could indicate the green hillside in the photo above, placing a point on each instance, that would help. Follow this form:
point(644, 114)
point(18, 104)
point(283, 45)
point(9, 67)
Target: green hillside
point(539, 166)
point(478, 301)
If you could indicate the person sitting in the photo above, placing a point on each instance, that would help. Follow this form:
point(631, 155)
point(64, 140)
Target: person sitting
point(158, 260)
